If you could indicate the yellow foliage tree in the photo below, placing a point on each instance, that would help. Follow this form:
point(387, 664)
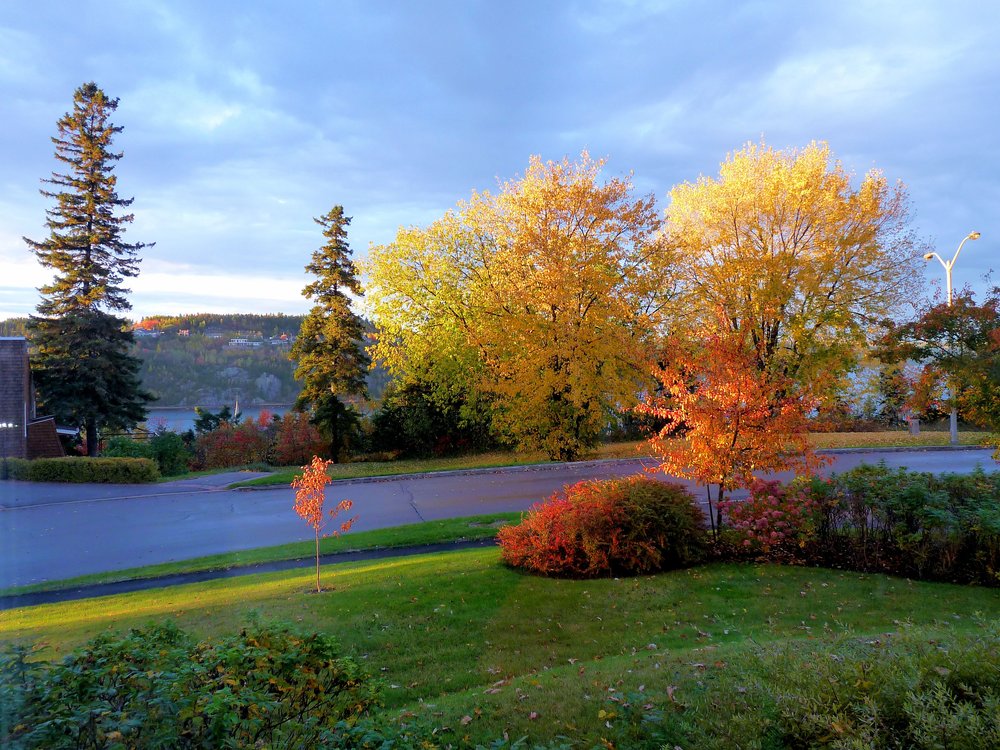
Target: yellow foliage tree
point(801, 264)
point(785, 269)
point(548, 293)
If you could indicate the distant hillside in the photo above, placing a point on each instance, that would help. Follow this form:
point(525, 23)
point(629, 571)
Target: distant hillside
point(13, 327)
point(212, 360)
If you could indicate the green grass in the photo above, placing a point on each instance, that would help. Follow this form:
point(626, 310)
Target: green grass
point(429, 532)
point(458, 635)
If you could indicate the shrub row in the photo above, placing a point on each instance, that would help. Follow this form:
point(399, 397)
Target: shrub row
point(635, 525)
point(157, 688)
point(871, 519)
point(167, 449)
point(876, 519)
point(83, 469)
point(290, 440)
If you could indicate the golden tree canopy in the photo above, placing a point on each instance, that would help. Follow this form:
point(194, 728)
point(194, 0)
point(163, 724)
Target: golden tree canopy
point(801, 263)
point(553, 287)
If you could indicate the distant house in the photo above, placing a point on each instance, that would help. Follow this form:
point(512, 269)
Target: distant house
point(23, 434)
point(244, 343)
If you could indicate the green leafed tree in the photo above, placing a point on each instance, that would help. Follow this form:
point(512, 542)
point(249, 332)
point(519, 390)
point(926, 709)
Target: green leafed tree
point(83, 369)
point(957, 344)
point(329, 352)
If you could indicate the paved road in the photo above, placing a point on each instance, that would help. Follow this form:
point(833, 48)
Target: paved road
point(51, 531)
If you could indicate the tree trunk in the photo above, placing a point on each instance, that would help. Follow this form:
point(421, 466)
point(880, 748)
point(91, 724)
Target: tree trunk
point(318, 589)
point(335, 436)
point(92, 437)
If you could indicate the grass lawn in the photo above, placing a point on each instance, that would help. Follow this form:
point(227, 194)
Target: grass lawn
point(628, 449)
point(472, 649)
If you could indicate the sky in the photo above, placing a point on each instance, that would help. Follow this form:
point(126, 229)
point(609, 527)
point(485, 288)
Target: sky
point(244, 120)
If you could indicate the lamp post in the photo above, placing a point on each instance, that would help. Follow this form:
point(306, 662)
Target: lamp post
point(948, 265)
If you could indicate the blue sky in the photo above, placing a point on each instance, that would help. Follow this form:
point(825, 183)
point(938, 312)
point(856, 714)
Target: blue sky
point(243, 120)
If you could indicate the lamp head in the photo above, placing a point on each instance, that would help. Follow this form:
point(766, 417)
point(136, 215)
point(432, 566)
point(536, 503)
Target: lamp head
point(973, 235)
point(928, 256)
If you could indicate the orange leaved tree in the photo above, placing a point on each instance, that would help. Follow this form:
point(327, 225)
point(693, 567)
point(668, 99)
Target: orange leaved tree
point(725, 416)
point(310, 495)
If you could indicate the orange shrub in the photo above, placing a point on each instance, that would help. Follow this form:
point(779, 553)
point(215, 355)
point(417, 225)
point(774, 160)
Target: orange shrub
point(621, 526)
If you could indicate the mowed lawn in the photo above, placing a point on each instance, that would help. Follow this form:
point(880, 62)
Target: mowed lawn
point(472, 649)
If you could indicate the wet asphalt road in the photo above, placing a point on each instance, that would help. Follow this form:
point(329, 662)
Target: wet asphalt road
point(52, 531)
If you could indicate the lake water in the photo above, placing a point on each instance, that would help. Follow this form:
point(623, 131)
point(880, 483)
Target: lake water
point(181, 419)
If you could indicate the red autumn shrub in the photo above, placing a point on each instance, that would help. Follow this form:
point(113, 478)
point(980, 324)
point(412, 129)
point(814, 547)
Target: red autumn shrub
point(621, 526)
point(229, 445)
point(777, 521)
point(297, 440)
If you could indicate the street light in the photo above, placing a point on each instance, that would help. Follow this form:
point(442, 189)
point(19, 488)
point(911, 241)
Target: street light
point(948, 265)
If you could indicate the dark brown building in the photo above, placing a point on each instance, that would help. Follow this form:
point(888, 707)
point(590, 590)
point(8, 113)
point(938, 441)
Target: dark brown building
point(22, 433)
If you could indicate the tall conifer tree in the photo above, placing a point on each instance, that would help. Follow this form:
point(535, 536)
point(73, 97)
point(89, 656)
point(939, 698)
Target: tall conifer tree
point(83, 368)
point(329, 352)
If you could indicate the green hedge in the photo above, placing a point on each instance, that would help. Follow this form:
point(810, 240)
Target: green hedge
point(14, 468)
point(80, 469)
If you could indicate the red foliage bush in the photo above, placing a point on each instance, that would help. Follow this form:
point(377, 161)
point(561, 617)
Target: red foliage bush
point(229, 445)
point(777, 521)
point(634, 525)
point(297, 440)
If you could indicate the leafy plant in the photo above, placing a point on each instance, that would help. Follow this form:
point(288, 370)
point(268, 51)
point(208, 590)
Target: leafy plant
point(778, 521)
point(310, 495)
point(267, 686)
point(634, 525)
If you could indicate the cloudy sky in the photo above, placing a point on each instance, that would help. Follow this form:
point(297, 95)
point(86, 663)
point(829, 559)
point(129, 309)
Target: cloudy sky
point(243, 120)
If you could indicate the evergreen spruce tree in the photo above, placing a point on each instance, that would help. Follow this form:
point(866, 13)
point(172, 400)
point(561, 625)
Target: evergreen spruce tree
point(82, 366)
point(329, 351)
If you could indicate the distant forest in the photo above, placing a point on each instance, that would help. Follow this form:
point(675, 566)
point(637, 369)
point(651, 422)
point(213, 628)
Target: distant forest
point(192, 360)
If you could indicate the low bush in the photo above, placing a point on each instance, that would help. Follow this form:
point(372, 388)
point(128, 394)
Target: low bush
point(875, 519)
point(622, 526)
point(297, 440)
point(167, 449)
point(897, 691)
point(14, 468)
point(268, 686)
point(234, 445)
point(78, 469)
point(780, 522)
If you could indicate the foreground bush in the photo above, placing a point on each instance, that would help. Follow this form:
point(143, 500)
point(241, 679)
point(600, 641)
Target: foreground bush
point(157, 688)
point(82, 469)
point(898, 692)
point(622, 526)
